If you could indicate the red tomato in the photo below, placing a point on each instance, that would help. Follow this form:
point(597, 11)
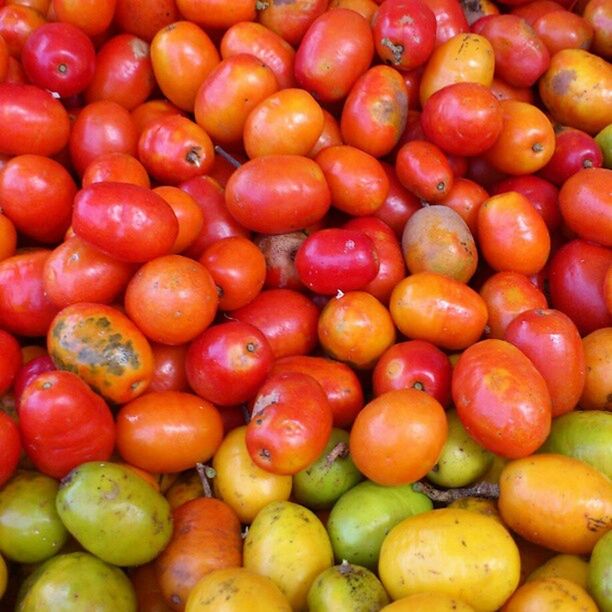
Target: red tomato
point(28, 372)
point(465, 198)
point(291, 20)
point(450, 19)
point(116, 167)
point(10, 447)
point(124, 73)
point(275, 194)
point(32, 121)
point(169, 368)
point(397, 438)
point(330, 135)
point(128, 222)
point(462, 118)
point(586, 205)
point(175, 149)
point(290, 424)
point(33, 187)
point(576, 278)
point(551, 340)
point(335, 51)
point(145, 17)
point(501, 398)
point(77, 272)
point(168, 431)
point(336, 259)
point(228, 362)
point(404, 33)
point(64, 423)
point(339, 382)
point(415, 364)
point(290, 330)
point(560, 30)
point(10, 360)
point(59, 57)
point(17, 22)
point(25, 307)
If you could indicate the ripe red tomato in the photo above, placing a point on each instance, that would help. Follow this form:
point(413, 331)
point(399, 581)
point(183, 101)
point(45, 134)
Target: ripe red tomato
point(336, 259)
point(59, 57)
point(10, 360)
point(450, 19)
point(228, 362)
point(127, 222)
point(28, 372)
point(169, 368)
point(64, 423)
point(291, 20)
point(168, 431)
point(10, 447)
point(415, 364)
point(145, 17)
point(17, 22)
point(290, 424)
point(501, 398)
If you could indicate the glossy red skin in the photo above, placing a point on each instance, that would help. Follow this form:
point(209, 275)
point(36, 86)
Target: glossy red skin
point(560, 30)
point(336, 49)
point(462, 118)
point(424, 170)
point(521, 57)
point(25, 308)
point(275, 194)
point(586, 205)
point(532, 11)
point(414, 364)
point(123, 73)
point(10, 447)
point(101, 127)
point(169, 371)
point(218, 222)
point(290, 424)
point(576, 278)
point(175, 149)
point(404, 43)
point(574, 151)
point(291, 20)
point(227, 363)
point(399, 205)
point(127, 222)
point(339, 382)
point(64, 423)
point(450, 19)
point(551, 340)
point(59, 57)
point(287, 318)
point(391, 266)
point(17, 22)
point(542, 194)
point(31, 121)
point(78, 272)
point(279, 251)
point(336, 259)
point(501, 398)
point(28, 372)
point(10, 360)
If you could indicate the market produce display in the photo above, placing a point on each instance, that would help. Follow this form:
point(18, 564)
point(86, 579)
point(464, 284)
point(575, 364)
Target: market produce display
point(306, 305)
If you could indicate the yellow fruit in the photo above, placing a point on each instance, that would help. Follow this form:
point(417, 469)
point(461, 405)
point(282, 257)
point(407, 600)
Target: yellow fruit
point(570, 567)
point(428, 602)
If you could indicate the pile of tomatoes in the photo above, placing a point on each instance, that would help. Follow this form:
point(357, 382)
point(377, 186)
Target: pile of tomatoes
point(258, 259)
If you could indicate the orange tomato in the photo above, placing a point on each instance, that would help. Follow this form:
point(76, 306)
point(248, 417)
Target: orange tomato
point(8, 237)
point(546, 595)
point(397, 437)
point(597, 392)
point(439, 309)
point(512, 235)
point(117, 167)
point(218, 14)
point(148, 592)
point(144, 17)
point(168, 431)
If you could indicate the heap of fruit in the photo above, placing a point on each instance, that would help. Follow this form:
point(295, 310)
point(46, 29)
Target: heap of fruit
point(305, 305)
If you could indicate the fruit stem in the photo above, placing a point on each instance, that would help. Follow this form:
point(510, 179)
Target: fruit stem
point(446, 496)
point(227, 156)
point(338, 452)
point(205, 472)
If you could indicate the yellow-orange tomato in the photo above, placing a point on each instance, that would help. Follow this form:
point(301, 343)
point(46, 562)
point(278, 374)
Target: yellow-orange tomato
point(526, 142)
point(570, 567)
point(439, 309)
point(550, 595)
point(168, 431)
point(597, 391)
point(397, 438)
point(577, 90)
point(346, 329)
point(512, 234)
point(229, 93)
point(465, 58)
point(286, 122)
point(8, 237)
point(428, 602)
point(183, 55)
point(186, 487)
point(217, 14)
point(104, 347)
point(556, 501)
point(482, 505)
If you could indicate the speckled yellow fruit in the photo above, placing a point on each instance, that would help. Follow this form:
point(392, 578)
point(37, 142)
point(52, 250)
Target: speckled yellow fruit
point(3, 576)
point(550, 595)
point(236, 589)
point(461, 553)
point(288, 543)
point(241, 484)
point(570, 567)
point(488, 507)
point(428, 602)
